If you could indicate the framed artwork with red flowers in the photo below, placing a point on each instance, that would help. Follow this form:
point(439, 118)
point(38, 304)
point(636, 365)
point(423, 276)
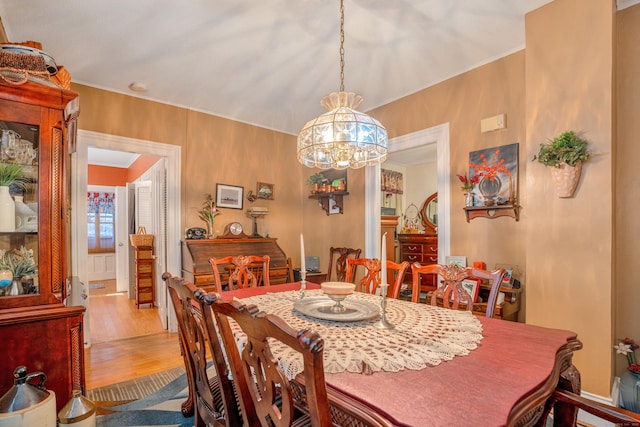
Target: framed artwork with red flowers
point(496, 172)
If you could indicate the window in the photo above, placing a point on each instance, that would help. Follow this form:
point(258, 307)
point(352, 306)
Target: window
point(101, 222)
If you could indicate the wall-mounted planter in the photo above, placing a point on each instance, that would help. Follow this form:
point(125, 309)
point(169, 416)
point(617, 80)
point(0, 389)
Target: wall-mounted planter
point(566, 178)
point(564, 154)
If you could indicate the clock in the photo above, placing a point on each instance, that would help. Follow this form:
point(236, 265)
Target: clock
point(233, 230)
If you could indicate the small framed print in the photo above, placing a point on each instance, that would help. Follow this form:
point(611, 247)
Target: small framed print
point(229, 196)
point(264, 191)
point(460, 261)
point(472, 286)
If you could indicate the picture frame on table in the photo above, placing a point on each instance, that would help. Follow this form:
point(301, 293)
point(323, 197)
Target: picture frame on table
point(460, 261)
point(229, 196)
point(264, 191)
point(472, 286)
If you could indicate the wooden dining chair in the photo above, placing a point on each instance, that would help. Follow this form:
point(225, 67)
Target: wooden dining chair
point(338, 258)
point(266, 395)
point(612, 414)
point(371, 280)
point(211, 397)
point(240, 272)
point(450, 293)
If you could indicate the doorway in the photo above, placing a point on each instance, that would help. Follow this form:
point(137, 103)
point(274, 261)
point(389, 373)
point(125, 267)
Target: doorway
point(168, 242)
point(438, 135)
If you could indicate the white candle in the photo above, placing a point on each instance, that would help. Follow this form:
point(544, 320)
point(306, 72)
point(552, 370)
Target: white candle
point(383, 261)
point(303, 263)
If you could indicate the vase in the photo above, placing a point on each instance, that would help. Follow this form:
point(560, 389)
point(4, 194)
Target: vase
point(25, 216)
point(630, 391)
point(468, 199)
point(7, 210)
point(490, 188)
point(16, 287)
point(566, 178)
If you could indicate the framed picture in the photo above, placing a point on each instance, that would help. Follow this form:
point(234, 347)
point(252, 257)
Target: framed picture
point(229, 196)
point(497, 171)
point(457, 260)
point(264, 191)
point(472, 286)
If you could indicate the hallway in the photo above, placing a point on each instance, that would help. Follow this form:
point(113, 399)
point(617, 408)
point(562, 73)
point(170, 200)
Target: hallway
point(127, 342)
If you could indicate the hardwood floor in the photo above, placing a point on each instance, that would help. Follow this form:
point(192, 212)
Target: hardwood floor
point(126, 342)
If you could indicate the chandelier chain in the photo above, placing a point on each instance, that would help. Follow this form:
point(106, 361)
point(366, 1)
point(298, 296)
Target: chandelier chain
point(341, 45)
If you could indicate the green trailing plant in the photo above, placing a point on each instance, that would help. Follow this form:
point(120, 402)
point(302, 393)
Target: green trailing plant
point(568, 147)
point(316, 178)
point(11, 173)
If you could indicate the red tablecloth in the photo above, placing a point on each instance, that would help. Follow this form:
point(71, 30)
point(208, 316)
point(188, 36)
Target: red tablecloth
point(480, 389)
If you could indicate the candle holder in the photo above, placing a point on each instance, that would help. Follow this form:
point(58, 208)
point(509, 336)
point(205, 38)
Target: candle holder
point(303, 283)
point(383, 323)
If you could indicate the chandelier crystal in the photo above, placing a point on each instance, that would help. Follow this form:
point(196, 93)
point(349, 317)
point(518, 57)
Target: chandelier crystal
point(342, 137)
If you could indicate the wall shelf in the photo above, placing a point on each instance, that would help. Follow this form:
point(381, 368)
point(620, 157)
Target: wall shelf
point(325, 200)
point(492, 211)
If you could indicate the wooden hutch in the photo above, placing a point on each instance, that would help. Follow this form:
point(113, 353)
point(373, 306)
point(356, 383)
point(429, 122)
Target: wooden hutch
point(38, 119)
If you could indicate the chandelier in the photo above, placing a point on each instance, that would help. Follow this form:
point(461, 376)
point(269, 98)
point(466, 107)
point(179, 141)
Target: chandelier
point(342, 137)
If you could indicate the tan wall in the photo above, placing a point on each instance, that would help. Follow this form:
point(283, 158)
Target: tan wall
point(463, 101)
point(217, 150)
point(627, 179)
point(569, 82)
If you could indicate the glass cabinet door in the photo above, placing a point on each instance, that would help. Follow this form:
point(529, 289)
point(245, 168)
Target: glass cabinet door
point(19, 210)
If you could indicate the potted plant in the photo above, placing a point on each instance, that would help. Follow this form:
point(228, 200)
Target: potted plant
point(564, 154)
point(10, 173)
point(316, 180)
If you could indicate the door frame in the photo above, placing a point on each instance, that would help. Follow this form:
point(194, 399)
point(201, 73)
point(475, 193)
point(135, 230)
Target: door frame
point(438, 135)
point(79, 179)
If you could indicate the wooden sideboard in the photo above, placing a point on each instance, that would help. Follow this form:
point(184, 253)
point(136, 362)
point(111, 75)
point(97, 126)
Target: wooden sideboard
point(422, 248)
point(197, 252)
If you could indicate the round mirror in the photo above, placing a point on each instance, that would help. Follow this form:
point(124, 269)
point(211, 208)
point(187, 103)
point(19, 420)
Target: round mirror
point(429, 213)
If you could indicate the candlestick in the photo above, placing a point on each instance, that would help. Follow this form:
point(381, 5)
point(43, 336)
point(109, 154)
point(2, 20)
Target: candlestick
point(303, 261)
point(303, 268)
point(383, 323)
point(383, 260)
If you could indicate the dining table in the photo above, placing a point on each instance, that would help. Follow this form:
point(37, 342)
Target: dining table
point(433, 366)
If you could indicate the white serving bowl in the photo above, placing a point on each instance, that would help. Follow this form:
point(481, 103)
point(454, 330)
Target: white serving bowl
point(337, 288)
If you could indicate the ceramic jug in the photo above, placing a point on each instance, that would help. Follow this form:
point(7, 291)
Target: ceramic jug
point(78, 412)
point(26, 405)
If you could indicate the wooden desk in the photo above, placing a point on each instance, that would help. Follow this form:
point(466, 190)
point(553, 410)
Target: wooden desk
point(316, 277)
point(505, 381)
point(196, 253)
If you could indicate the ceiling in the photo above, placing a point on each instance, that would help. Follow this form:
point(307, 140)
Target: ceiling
point(115, 159)
point(267, 62)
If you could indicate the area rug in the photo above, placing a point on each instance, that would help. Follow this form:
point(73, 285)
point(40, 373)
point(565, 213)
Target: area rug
point(154, 400)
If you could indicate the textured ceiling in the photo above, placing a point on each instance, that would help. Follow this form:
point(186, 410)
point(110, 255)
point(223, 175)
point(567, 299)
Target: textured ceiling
point(267, 62)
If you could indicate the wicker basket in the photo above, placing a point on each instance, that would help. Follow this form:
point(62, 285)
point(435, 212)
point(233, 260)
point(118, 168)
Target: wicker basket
point(141, 238)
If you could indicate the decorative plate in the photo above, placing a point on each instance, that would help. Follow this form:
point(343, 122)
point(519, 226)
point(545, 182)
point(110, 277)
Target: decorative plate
point(320, 308)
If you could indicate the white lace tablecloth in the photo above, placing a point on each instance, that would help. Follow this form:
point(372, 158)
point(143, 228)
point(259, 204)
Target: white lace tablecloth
point(423, 335)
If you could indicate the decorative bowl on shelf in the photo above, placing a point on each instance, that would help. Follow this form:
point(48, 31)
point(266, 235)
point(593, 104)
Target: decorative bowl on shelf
point(337, 291)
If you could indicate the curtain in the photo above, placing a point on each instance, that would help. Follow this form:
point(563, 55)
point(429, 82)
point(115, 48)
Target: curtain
point(100, 222)
point(101, 202)
point(391, 181)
